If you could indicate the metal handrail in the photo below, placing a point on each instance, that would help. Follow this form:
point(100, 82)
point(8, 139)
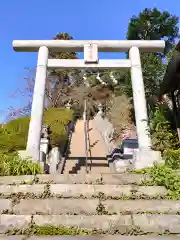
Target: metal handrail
point(85, 133)
point(89, 143)
point(87, 136)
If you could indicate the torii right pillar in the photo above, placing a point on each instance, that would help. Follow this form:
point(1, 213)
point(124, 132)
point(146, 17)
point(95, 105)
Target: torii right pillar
point(146, 157)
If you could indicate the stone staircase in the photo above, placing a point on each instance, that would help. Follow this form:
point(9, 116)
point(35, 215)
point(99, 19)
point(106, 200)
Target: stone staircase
point(107, 206)
point(98, 205)
point(97, 162)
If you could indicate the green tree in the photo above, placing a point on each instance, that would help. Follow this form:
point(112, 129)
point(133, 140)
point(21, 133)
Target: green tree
point(150, 24)
point(58, 84)
point(153, 24)
point(153, 72)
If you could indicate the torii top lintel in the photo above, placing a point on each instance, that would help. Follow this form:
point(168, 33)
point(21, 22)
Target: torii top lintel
point(78, 45)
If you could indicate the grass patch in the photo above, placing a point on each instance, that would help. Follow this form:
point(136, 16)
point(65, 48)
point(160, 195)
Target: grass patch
point(12, 164)
point(163, 175)
point(49, 230)
point(53, 230)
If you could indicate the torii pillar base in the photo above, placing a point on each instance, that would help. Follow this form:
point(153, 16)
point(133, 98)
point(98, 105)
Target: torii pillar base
point(146, 158)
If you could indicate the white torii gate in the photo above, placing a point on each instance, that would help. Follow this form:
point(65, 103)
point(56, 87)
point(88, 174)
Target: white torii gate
point(91, 48)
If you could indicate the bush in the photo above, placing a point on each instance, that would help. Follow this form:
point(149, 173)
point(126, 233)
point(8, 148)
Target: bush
point(58, 119)
point(13, 135)
point(13, 165)
point(162, 134)
point(164, 139)
point(172, 158)
point(163, 175)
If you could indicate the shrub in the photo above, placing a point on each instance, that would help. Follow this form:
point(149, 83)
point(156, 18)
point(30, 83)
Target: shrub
point(163, 175)
point(172, 158)
point(57, 119)
point(164, 139)
point(162, 134)
point(12, 164)
point(13, 135)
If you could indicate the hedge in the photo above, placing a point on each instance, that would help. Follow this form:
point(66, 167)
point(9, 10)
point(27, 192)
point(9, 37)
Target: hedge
point(13, 135)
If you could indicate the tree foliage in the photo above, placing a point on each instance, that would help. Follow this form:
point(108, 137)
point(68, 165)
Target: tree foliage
point(13, 135)
point(153, 24)
point(59, 80)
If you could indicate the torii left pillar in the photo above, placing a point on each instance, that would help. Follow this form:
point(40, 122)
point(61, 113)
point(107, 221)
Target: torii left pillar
point(34, 135)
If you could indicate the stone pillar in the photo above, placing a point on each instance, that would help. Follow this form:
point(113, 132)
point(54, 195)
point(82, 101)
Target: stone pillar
point(34, 135)
point(145, 157)
point(139, 99)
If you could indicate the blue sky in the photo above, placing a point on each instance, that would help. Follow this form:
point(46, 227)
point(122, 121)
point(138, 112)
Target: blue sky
point(42, 19)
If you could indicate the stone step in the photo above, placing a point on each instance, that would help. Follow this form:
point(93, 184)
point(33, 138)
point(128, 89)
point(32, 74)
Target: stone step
point(95, 163)
point(100, 237)
point(136, 224)
point(97, 166)
point(13, 237)
point(84, 190)
point(96, 170)
point(88, 206)
point(82, 170)
point(107, 178)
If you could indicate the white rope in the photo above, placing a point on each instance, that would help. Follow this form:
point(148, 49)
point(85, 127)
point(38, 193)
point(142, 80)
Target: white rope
point(100, 80)
point(86, 80)
point(113, 78)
